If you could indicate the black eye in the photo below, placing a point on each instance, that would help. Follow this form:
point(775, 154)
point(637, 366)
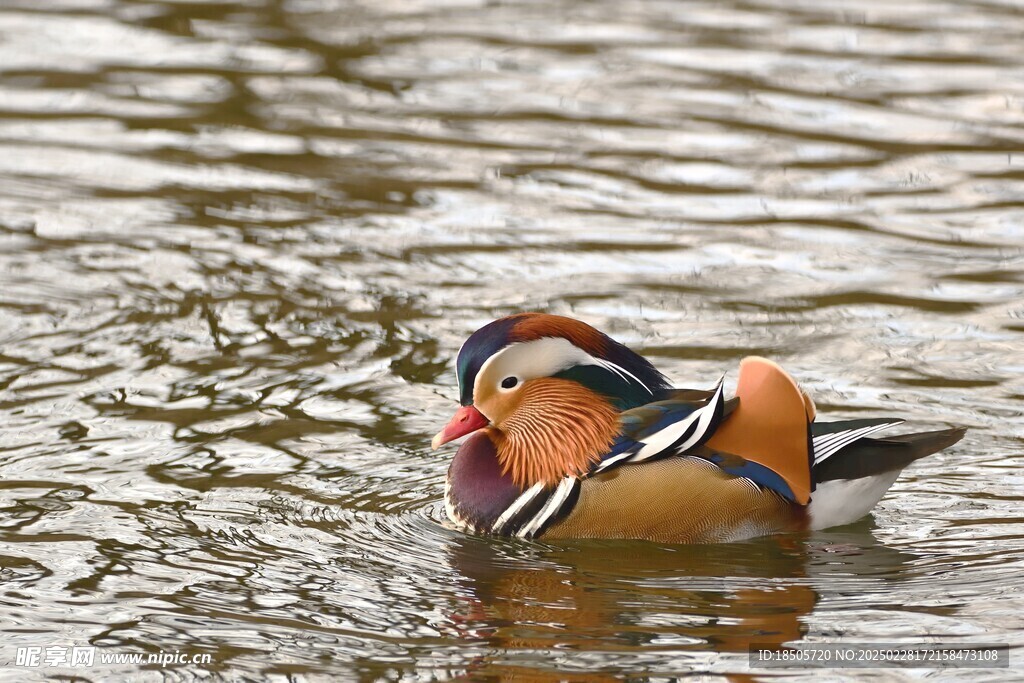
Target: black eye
point(509, 382)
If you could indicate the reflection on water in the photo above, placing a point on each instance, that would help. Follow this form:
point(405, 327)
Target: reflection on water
point(635, 603)
point(240, 243)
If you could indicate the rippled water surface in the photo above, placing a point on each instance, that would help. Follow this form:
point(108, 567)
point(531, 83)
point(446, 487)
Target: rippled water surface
point(241, 242)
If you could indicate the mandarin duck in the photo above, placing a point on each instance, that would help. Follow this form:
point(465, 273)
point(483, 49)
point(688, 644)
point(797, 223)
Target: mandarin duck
point(573, 435)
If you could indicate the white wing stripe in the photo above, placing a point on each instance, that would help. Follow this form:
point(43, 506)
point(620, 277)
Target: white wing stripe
point(707, 414)
point(621, 372)
point(661, 440)
point(518, 504)
point(614, 459)
point(840, 445)
point(823, 451)
point(827, 447)
point(847, 437)
point(826, 439)
point(558, 497)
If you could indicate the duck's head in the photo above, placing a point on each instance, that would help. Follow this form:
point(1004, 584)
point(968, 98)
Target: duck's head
point(549, 390)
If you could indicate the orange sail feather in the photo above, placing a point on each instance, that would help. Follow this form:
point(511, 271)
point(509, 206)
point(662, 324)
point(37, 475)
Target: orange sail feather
point(770, 425)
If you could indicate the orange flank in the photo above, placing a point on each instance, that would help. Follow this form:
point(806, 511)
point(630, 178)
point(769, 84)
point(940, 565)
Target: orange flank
point(770, 425)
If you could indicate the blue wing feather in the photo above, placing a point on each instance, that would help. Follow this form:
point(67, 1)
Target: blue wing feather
point(646, 424)
point(755, 472)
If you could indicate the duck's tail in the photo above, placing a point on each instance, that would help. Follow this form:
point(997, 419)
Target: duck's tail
point(834, 468)
point(852, 472)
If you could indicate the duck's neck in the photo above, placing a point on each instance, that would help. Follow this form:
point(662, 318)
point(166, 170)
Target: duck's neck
point(477, 491)
point(627, 382)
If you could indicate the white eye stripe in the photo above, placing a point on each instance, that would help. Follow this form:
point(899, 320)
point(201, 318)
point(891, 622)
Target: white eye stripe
point(529, 360)
point(542, 358)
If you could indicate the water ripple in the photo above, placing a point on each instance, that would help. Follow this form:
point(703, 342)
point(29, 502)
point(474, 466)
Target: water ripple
point(241, 242)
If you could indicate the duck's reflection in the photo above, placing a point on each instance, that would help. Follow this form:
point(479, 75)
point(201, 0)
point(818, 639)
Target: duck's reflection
point(644, 598)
